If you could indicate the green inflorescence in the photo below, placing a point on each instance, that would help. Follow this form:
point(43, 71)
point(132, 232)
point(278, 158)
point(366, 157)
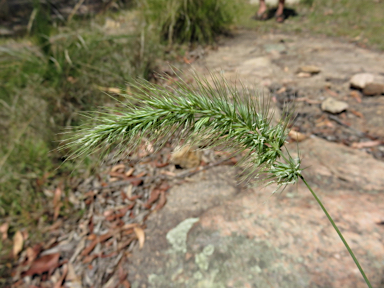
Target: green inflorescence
point(206, 115)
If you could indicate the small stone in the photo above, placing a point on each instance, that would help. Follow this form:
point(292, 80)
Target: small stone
point(333, 106)
point(297, 136)
point(372, 89)
point(274, 47)
point(309, 69)
point(361, 80)
point(304, 75)
point(186, 157)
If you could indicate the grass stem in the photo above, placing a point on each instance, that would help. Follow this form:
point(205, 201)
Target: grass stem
point(339, 233)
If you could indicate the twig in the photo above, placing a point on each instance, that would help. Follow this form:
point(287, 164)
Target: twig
point(31, 19)
point(338, 121)
point(187, 174)
point(177, 176)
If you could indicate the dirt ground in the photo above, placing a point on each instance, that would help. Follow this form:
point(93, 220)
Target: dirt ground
point(214, 233)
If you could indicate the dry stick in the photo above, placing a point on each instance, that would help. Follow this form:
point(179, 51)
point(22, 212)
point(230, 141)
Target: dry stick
point(74, 10)
point(339, 233)
point(31, 19)
point(359, 133)
point(181, 175)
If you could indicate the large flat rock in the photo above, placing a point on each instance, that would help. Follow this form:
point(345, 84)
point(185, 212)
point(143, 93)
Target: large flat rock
point(214, 234)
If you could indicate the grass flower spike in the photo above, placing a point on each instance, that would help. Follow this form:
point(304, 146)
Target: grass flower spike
point(208, 115)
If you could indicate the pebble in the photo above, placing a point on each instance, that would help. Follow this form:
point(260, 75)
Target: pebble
point(274, 47)
point(361, 80)
point(309, 69)
point(297, 136)
point(186, 157)
point(372, 89)
point(304, 75)
point(333, 106)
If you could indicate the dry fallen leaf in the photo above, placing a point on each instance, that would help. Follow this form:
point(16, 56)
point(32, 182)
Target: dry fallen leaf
point(57, 196)
point(129, 226)
point(355, 94)
point(161, 202)
point(281, 90)
point(25, 235)
point(72, 277)
point(155, 194)
point(367, 144)
point(57, 211)
point(123, 277)
point(93, 244)
point(331, 92)
point(135, 180)
point(118, 167)
point(140, 235)
point(4, 231)
point(54, 226)
point(43, 264)
point(56, 203)
point(356, 113)
point(110, 89)
point(129, 172)
point(59, 283)
point(32, 252)
point(18, 241)
point(117, 175)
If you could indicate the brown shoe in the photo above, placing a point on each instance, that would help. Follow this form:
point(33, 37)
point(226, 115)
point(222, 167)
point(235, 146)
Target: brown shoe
point(280, 18)
point(261, 17)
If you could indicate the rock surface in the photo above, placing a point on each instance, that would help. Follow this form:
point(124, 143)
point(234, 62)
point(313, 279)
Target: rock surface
point(333, 106)
point(231, 237)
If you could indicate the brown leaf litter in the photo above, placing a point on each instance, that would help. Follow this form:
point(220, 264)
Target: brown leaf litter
point(94, 251)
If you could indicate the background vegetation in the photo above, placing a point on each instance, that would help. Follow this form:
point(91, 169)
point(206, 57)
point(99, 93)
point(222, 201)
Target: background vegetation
point(357, 21)
point(59, 67)
point(190, 20)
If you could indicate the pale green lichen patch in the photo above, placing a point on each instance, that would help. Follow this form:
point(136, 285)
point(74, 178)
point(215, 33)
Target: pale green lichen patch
point(177, 237)
point(208, 250)
point(216, 261)
point(202, 259)
point(202, 262)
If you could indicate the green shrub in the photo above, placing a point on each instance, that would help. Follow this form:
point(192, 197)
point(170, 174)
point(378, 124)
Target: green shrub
point(185, 21)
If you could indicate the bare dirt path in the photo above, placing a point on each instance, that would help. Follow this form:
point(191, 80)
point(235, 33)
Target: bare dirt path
point(214, 233)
